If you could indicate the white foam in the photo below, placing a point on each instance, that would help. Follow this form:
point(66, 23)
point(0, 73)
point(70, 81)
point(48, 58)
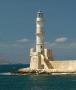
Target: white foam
point(7, 73)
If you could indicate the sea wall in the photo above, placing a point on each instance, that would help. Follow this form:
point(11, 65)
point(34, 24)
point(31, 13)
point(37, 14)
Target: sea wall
point(64, 65)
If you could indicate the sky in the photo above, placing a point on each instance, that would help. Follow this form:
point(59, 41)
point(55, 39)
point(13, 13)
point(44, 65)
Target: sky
point(17, 28)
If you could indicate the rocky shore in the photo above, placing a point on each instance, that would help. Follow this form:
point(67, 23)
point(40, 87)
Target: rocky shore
point(28, 70)
point(42, 71)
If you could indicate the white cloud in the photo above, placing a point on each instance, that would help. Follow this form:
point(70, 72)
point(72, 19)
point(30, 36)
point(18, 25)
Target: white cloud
point(67, 45)
point(72, 45)
point(24, 40)
point(58, 43)
point(22, 43)
point(61, 40)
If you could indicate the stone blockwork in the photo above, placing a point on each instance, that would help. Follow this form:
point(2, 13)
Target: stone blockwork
point(40, 61)
point(64, 65)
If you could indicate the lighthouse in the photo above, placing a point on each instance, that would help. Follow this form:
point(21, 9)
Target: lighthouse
point(41, 59)
point(39, 32)
point(39, 55)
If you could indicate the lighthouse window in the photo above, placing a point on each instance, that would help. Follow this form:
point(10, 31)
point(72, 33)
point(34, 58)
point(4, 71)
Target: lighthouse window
point(41, 46)
point(40, 15)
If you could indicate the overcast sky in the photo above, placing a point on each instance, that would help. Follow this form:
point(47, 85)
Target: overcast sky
point(17, 28)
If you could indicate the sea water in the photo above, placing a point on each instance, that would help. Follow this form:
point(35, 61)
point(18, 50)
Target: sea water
point(10, 81)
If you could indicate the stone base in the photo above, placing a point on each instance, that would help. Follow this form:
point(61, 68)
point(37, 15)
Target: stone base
point(47, 71)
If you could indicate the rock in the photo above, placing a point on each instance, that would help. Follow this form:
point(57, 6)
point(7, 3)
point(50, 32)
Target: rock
point(24, 70)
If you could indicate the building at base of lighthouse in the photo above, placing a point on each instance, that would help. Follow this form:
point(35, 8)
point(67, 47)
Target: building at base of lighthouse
point(39, 56)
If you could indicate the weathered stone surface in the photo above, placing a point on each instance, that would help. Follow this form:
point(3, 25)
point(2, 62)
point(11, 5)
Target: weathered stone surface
point(64, 65)
point(45, 71)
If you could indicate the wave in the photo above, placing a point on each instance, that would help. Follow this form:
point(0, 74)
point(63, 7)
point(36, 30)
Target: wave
point(8, 73)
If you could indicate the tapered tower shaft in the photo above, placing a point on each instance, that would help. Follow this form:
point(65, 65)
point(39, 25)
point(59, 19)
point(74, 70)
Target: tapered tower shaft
point(39, 32)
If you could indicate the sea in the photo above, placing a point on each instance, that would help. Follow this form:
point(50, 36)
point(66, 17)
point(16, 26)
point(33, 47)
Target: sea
point(10, 81)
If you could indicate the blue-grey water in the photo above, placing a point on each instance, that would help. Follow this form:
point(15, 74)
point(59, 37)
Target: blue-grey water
point(34, 82)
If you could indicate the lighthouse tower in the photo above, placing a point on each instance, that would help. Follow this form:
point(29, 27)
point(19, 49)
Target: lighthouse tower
point(39, 56)
point(39, 33)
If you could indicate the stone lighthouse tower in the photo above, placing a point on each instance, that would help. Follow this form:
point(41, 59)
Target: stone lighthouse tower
point(39, 56)
point(39, 33)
